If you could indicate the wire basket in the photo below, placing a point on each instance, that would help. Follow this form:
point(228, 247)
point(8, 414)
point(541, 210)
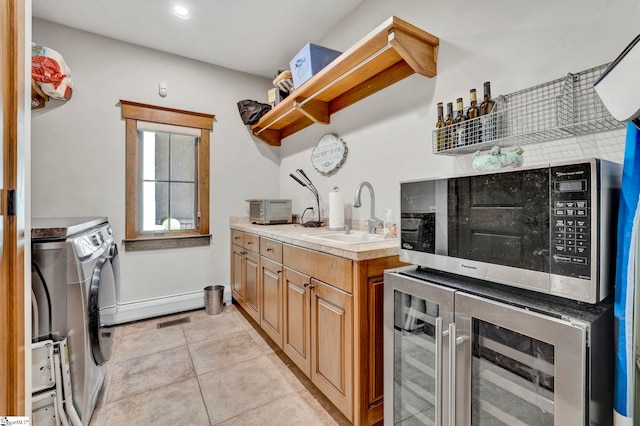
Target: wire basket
point(558, 109)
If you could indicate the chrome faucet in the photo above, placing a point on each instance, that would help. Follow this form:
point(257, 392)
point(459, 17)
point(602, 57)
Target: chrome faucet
point(373, 222)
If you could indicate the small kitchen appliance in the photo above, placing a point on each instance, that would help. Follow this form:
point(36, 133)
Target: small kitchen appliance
point(270, 211)
point(549, 229)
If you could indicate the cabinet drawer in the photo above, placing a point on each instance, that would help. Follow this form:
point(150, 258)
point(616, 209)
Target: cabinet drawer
point(331, 269)
point(271, 249)
point(251, 242)
point(236, 237)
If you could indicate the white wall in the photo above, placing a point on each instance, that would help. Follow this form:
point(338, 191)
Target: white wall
point(78, 151)
point(515, 45)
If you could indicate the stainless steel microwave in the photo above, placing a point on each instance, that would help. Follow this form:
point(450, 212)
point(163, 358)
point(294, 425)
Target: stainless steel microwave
point(550, 229)
point(270, 211)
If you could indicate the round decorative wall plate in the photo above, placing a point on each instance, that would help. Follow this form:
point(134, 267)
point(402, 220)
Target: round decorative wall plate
point(329, 154)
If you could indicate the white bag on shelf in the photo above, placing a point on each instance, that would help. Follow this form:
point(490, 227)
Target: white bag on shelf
point(50, 72)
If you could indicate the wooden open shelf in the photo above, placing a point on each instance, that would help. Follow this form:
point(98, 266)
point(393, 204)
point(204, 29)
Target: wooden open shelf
point(391, 52)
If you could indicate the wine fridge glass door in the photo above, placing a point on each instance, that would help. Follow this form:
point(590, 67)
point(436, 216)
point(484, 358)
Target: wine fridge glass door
point(415, 341)
point(517, 367)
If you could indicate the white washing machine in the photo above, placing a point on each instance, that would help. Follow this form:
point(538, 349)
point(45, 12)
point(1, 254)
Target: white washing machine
point(74, 288)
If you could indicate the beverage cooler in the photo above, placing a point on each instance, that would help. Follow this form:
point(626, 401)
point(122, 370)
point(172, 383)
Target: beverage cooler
point(461, 351)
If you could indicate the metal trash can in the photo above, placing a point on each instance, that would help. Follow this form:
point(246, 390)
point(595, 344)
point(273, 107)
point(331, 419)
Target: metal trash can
point(213, 299)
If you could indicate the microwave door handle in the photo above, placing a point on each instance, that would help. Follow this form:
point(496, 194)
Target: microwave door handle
point(438, 369)
point(452, 374)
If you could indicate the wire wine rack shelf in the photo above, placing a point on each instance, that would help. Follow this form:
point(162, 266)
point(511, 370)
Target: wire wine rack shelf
point(558, 109)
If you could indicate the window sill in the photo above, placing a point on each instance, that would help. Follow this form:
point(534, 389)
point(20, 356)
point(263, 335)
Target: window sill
point(159, 243)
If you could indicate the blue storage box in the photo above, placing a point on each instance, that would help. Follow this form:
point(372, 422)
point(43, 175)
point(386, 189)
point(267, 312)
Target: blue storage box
point(309, 61)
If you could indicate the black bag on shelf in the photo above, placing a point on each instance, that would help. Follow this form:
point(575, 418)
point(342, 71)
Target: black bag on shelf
point(251, 111)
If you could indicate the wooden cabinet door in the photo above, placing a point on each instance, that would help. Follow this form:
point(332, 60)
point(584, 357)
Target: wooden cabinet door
point(297, 328)
point(237, 273)
point(252, 287)
point(272, 314)
point(332, 344)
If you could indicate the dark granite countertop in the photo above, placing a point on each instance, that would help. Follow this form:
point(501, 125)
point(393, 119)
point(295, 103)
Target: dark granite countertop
point(56, 228)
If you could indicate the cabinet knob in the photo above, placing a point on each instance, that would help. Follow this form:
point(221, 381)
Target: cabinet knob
point(269, 249)
point(236, 238)
point(311, 287)
point(249, 242)
point(306, 284)
point(243, 252)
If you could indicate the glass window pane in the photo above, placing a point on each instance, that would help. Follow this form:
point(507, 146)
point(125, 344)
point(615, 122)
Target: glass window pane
point(169, 181)
point(513, 378)
point(183, 204)
point(414, 360)
point(162, 156)
point(183, 156)
point(155, 205)
point(155, 156)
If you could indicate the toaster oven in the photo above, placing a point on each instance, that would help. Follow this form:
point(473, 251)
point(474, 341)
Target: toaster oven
point(270, 211)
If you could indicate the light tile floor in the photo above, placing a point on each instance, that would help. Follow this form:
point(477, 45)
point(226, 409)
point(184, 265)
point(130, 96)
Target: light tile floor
point(215, 370)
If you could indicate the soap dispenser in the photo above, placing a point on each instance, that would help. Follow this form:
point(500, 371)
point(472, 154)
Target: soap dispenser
point(390, 229)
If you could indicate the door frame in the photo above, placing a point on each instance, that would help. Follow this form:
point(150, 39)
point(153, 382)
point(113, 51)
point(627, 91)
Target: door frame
point(13, 346)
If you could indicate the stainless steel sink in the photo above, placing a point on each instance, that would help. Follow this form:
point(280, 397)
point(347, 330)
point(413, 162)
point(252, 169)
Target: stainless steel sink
point(352, 238)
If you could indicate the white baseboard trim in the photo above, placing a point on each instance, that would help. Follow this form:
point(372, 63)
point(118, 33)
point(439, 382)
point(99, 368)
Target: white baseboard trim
point(158, 306)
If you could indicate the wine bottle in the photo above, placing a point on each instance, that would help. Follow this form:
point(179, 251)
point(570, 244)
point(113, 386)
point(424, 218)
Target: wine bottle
point(448, 129)
point(439, 126)
point(473, 126)
point(487, 111)
point(459, 125)
point(487, 103)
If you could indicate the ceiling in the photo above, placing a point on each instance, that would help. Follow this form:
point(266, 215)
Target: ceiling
point(252, 36)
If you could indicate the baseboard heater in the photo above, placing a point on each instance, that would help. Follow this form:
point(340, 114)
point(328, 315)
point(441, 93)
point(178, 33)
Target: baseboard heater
point(165, 305)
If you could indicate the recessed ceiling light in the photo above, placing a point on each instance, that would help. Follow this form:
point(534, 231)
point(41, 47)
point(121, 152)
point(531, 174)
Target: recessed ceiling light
point(181, 12)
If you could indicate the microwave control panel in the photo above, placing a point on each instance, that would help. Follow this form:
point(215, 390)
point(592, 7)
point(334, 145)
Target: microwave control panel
point(570, 220)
